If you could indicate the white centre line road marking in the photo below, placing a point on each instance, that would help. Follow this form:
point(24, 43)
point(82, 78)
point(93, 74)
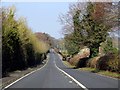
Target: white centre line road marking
point(70, 81)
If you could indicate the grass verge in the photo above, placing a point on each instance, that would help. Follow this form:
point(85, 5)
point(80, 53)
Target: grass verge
point(101, 72)
point(68, 64)
point(93, 70)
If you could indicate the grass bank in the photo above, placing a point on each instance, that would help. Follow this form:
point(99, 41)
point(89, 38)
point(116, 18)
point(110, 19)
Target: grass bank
point(93, 70)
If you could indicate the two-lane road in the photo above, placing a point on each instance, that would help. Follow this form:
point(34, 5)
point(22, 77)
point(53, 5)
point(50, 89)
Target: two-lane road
point(50, 77)
point(47, 77)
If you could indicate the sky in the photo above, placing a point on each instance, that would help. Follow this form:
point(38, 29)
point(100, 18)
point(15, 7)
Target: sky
point(41, 16)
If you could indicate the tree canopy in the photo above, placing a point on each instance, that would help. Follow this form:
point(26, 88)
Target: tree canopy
point(88, 28)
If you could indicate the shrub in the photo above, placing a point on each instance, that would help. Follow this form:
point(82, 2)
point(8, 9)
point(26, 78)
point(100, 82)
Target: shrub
point(92, 62)
point(78, 60)
point(103, 61)
point(20, 47)
point(107, 47)
point(113, 64)
point(82, 62)
point(74, 60)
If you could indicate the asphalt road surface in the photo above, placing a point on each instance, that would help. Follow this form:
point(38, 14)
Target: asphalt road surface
point(88, 79)
point(50, 77)
point(47, 77)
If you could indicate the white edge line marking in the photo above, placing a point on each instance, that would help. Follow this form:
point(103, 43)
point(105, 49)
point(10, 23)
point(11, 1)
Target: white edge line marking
point(72, 78)
point(94, 73)
point(24, 76)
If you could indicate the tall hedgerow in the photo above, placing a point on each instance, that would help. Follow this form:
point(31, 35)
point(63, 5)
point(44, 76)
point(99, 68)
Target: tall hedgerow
point(21, 48)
